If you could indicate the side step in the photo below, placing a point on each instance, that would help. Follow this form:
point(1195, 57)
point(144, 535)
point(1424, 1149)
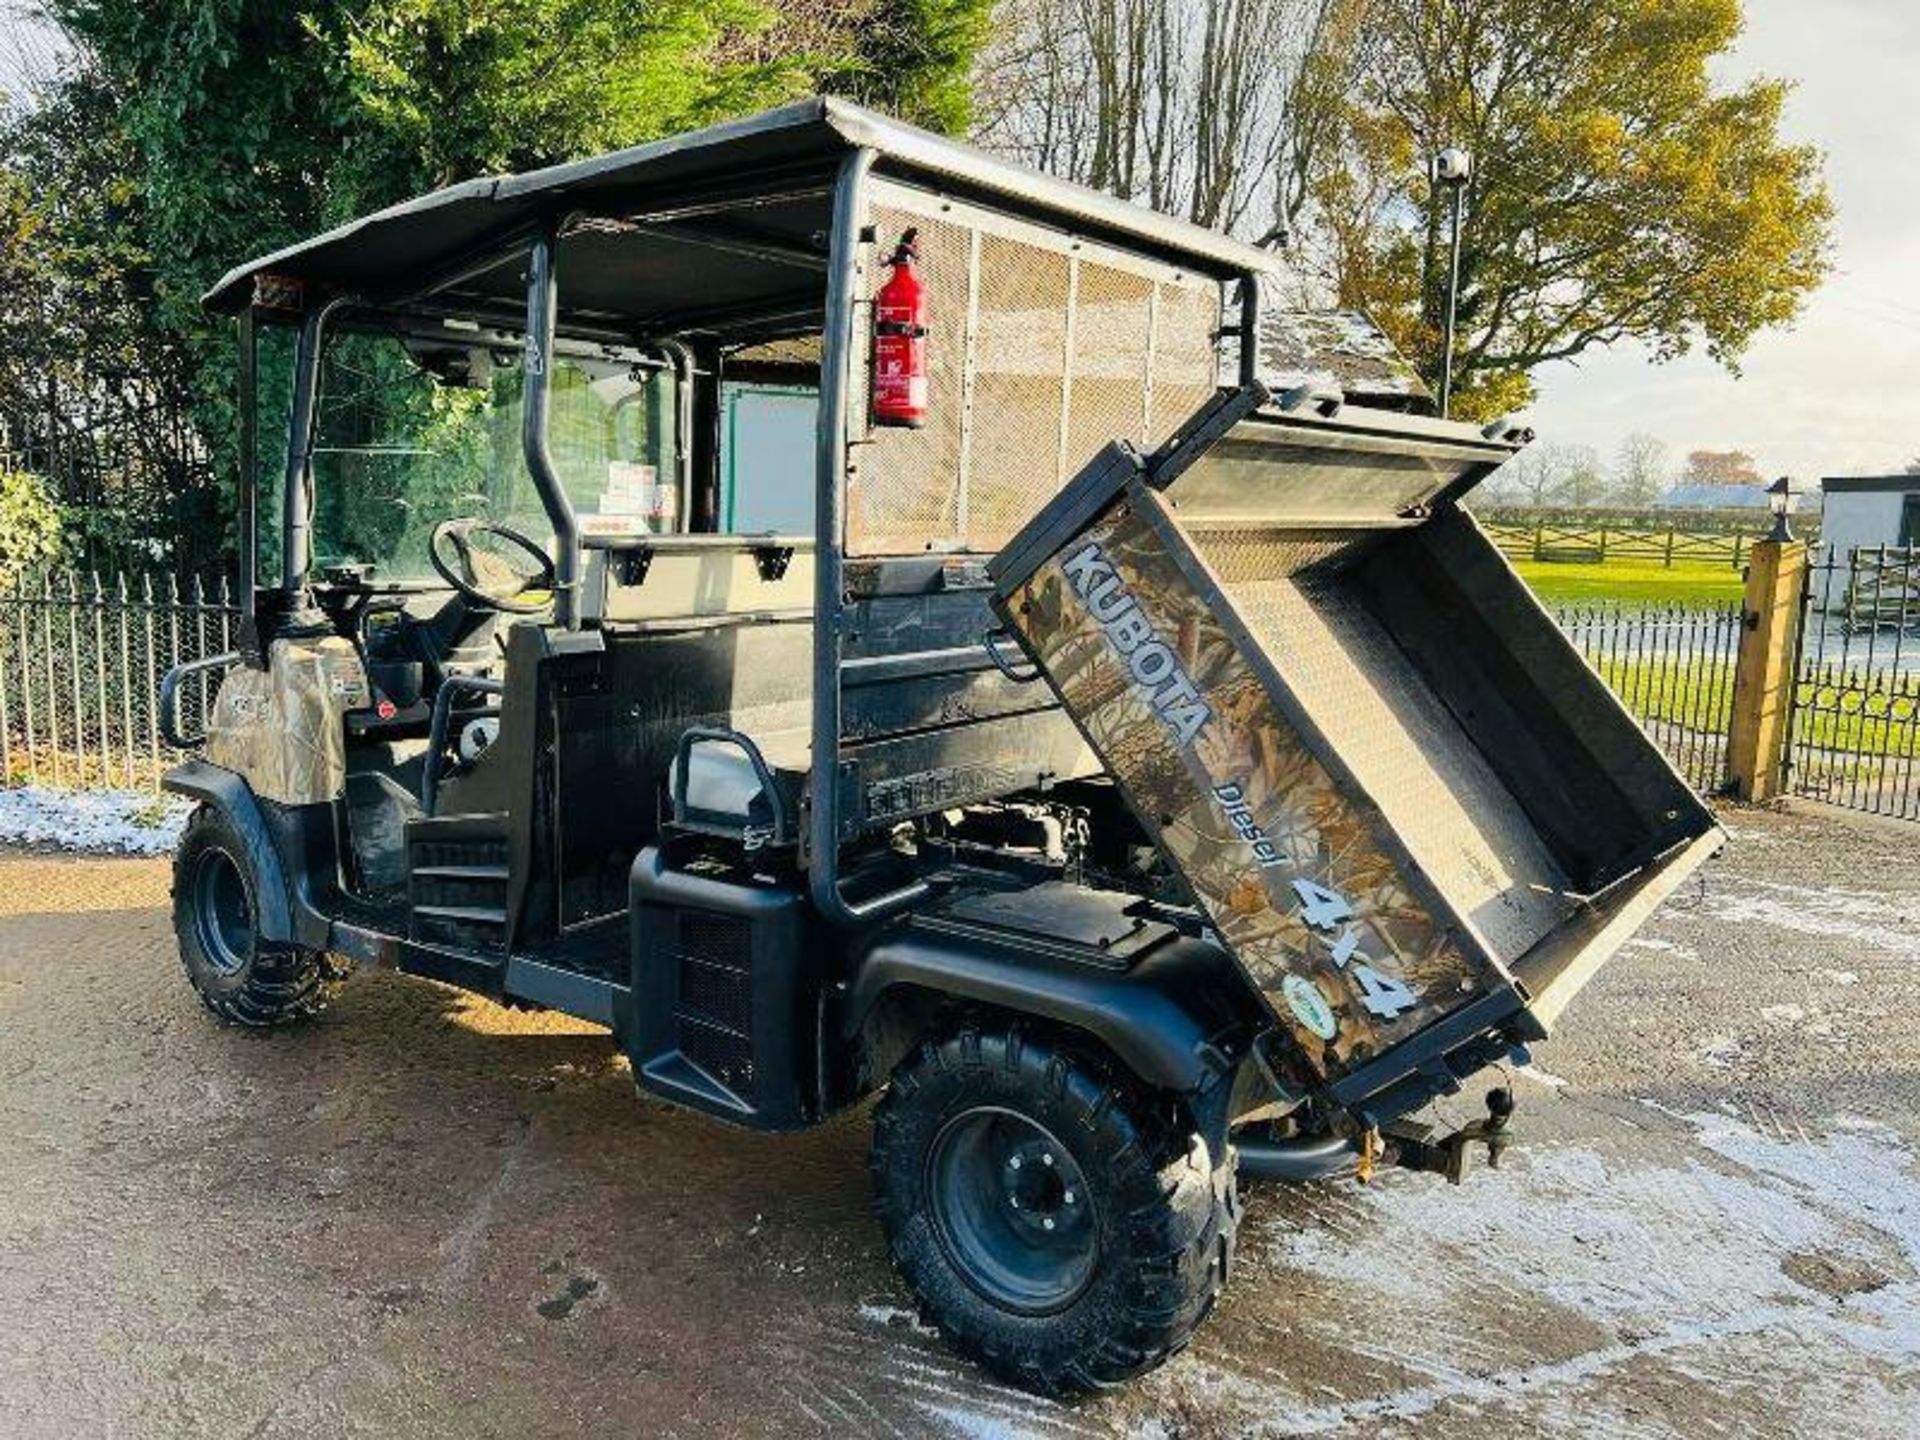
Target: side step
point(458, 883)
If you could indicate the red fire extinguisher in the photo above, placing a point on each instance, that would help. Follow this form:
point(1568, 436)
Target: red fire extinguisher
point(900, 341)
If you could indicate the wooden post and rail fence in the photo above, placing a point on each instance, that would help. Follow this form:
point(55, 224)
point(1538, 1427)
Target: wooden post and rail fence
point(1560, 542)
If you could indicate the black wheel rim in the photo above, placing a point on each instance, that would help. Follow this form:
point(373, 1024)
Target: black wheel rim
point(1011, 1208)
point(223, 918)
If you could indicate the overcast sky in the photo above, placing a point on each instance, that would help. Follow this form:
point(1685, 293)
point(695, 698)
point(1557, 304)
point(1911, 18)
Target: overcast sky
point(1838, 394)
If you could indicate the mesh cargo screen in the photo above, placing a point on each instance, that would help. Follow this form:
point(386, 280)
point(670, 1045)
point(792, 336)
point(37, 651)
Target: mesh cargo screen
point(1041, 350)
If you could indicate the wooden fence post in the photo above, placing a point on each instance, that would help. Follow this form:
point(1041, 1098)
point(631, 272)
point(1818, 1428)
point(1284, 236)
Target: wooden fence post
point(1763, 678)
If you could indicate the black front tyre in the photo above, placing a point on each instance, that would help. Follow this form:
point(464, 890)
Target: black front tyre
point(1061, 1224)
point(241, 978)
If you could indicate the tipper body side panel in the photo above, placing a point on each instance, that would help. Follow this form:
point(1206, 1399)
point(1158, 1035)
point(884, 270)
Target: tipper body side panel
point(1359, 835)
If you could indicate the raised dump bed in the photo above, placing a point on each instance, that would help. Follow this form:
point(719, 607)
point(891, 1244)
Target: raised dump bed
point(1412, 812)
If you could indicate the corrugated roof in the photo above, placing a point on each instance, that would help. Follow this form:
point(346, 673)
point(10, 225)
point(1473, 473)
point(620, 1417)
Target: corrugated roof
point(778, 151)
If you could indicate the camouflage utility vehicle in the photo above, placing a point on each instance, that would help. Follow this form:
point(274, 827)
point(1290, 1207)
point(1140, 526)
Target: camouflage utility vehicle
point(1126, 773)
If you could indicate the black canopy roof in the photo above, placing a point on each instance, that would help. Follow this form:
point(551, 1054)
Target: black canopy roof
point(653, 220)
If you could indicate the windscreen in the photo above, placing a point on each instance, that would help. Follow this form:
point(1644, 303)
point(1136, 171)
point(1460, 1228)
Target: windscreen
point(407, 437)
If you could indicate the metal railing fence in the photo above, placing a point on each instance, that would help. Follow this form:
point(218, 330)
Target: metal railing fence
point(81, 656)
point(1673, 667)
point(1855, 735)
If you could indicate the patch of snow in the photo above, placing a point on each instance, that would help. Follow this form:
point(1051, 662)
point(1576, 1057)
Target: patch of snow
point(970, 1425)
point(1829, 912)
point(1663, 947)
point(896, 1316)
point(118, 822)
point(1698, 1261)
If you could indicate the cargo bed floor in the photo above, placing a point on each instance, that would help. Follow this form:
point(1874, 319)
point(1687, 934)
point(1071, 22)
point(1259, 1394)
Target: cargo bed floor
point(1406, 750)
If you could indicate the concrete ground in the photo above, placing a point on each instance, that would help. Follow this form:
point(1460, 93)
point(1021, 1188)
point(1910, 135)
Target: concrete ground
point(426, 1215)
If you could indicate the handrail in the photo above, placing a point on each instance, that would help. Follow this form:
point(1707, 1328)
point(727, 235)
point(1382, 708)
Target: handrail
point(437, 729)
point(720, 735)
point(990, 642)
point(170, 684)
point(543, 303)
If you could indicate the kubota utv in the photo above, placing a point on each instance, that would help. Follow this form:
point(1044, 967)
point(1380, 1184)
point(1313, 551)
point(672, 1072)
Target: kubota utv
point(1126, 773)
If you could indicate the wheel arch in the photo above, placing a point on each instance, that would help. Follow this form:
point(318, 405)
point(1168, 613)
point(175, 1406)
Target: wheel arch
point(229, 793)
point(1155, 1019)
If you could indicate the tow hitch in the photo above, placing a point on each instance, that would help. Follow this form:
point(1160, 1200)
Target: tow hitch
point(1410, 1145)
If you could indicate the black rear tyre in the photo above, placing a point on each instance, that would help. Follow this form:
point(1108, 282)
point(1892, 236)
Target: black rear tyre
point(1061, 1224)
point(240, 977)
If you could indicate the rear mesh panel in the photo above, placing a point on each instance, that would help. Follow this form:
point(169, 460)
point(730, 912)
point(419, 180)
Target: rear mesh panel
point(1038, 357)
point(1186, 367)
point(1112, 317)
point(905, 491)
point(1022, 359)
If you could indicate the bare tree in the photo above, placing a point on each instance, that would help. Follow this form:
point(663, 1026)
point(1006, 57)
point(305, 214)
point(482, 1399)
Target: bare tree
point(1550, 474)
point(1206, 108)
point(1641, 470)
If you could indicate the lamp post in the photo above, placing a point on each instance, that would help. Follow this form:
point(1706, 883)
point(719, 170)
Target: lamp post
point(1452, 169)
point(1781, 498)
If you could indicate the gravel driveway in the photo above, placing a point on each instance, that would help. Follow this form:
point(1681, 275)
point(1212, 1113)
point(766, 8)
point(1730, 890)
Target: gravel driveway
point(427, 1215)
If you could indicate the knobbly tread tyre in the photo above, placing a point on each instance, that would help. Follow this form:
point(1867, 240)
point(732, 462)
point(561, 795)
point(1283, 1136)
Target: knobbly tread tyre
point(1168, 1210)
point(278, 984)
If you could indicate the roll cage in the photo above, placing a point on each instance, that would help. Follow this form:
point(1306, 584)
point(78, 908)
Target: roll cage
point(770, 220)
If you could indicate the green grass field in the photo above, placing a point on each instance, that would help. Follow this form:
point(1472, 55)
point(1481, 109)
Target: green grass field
point(1632, 582)
point(1699, 693)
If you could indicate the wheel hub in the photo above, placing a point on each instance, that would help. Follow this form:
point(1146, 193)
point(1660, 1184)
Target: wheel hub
point(1042, 1186)
point(223, 917)
point(1011, 1208)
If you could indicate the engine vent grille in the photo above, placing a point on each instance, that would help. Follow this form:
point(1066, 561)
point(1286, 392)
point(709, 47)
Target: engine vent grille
point(714, 1007)
point(723, 1054)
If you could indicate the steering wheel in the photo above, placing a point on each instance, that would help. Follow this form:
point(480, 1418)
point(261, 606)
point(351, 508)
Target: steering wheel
point(484, 576)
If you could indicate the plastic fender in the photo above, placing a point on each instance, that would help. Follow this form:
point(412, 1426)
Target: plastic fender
point(1141, 1015)
point(211, 785)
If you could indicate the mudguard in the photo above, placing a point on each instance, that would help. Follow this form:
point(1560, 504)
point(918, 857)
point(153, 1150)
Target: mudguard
point(212, 785)
point(1170, 1018)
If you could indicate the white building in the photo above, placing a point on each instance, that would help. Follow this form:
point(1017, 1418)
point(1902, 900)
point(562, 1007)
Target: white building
point(1870, 511)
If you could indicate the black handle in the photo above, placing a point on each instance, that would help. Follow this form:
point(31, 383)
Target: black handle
point(991, 640)
point(683, 755)
point(170, 684)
